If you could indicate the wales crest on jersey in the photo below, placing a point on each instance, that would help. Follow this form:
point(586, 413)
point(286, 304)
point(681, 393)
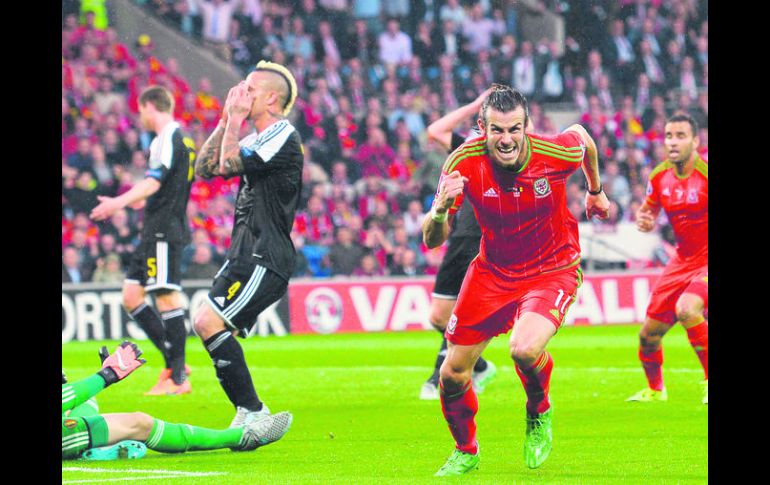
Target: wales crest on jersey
point(542, 187)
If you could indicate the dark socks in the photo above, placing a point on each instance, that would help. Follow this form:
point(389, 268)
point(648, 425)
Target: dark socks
point(232, 371)
point(150, 322)
point(176, 337)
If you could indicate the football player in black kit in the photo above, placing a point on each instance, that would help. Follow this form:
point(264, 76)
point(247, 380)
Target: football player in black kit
point(462, 247)
point(261, 255)
point(155, 265)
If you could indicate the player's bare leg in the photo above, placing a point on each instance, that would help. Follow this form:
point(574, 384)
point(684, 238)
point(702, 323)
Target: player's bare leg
point(534, 365)
point(651, 357)
point(689, 312)
point(483, 371)
point(459, 405)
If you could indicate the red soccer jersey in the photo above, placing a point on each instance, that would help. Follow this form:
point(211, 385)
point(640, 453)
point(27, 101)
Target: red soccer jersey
point(685, 201)
point(526, 226)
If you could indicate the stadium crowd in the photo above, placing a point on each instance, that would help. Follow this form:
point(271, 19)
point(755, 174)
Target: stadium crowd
point(372, 75)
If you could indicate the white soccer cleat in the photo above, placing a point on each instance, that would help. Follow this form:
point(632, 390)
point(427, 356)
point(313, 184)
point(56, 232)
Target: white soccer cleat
point(243, 415)
point(429, 392)
point(265, 430)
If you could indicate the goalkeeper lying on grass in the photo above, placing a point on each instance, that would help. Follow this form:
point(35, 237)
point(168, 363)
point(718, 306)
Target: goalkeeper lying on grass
point(88, 435)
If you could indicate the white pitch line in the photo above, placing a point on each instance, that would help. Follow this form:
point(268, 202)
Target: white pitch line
point(166, 474)
point(124, 479)
point(134, 470)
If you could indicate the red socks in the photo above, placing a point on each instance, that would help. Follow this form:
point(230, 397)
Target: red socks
point(652, 363)
point(537, 381)
point(459, 412)
point(699, 339)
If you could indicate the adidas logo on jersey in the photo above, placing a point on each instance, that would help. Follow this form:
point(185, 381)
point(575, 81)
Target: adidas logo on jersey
point(220, 300)
point(491, 193)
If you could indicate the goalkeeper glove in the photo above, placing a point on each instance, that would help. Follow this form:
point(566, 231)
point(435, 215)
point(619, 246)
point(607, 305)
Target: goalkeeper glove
point(121, 363)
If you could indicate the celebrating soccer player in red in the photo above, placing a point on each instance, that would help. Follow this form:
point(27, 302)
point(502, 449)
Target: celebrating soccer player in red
point(679, 186)
point(527, 271)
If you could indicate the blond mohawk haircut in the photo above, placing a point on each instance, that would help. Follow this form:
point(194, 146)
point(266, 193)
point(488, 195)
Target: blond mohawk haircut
point(287, 76)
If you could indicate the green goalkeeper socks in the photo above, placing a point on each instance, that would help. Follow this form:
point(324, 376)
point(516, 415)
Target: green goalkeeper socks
point(177, 438)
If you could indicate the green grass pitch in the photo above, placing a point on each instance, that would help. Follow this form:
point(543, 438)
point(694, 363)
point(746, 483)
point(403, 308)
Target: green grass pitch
point(358, 419)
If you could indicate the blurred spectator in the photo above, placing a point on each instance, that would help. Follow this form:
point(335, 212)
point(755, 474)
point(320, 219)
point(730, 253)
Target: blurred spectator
point(368, 11)
point(650, 66)
point(688, 79)
point(301, 265)
point(217, 17)
point(452, 10)
point(408, 265)
point(202, 267)
point(108, 270)
point(619, 53)
point(616, 184)
point(368, 267)
point(298, 42)
point(552, 75)
point(480, 30)
point(71, 271)
point(81, 159)
point(524, 74)
point(413, 218)
point(376, 157)
point(326, 45)
point(395, 46)
point(360, 44)
point(315, 224)
point(579, 94)
point(346, 253)
point(80, 191)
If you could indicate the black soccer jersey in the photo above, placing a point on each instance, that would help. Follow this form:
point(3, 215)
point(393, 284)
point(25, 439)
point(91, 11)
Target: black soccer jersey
point(268, 197)
point(172, 156)
point(465, 223)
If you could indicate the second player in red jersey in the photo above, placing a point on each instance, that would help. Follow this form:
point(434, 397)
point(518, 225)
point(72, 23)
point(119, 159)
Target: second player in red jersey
point(527, 271)
point(678, 186)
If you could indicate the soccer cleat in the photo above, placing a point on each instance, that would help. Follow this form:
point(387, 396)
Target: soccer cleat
point(649, 395)
point(705, 385)
point(458, 464)
point(539, 438)
point(169, 387)
point(159, 387)
point(166, 385)
point(123, 450)
point(429, 391)
point(264, 430)
point(243, 415)
point(482, 379)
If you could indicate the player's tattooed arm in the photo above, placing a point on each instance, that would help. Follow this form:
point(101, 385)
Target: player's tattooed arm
point(230, 161)
point(207, 163)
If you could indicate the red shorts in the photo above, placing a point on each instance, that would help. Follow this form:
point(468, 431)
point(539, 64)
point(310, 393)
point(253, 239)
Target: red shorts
point(678, 277)
point(489, 304)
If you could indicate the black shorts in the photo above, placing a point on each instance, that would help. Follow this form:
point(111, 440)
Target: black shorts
point(459, 255)
point(243, 290)
point(156, 265)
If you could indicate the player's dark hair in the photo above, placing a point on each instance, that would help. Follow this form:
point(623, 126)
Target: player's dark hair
point(681, 116)
point(504, 99)
point(159, 97)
